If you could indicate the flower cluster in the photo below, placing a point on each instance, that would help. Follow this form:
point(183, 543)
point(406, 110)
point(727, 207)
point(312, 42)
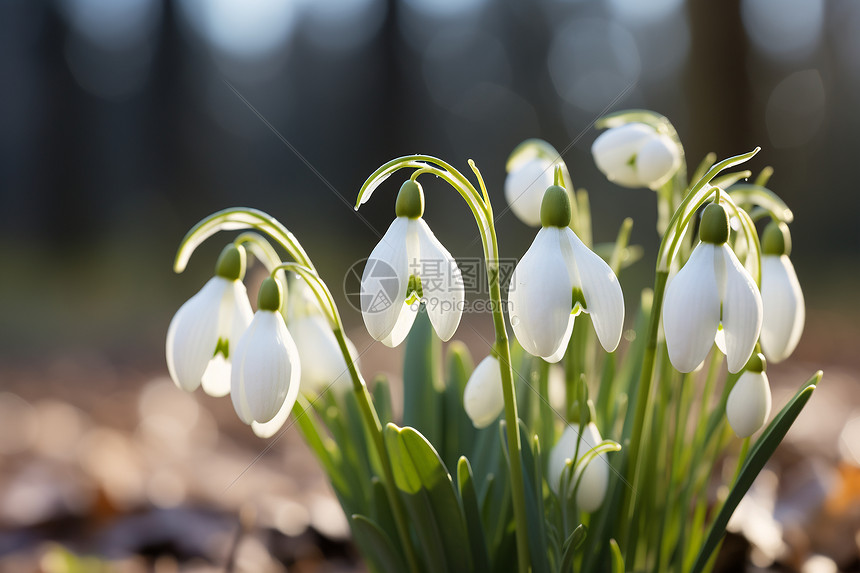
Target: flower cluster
point(216, 341)
point(719, 294)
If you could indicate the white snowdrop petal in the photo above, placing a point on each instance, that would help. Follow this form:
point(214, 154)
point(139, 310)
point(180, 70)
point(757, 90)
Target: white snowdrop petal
point(657, 160)
point(540, 295)
point(216, 379)
point(323, 365)
point(614, 148)
point(742, 311)
point(691, 310)
point(600, 287)
point(407, 315)
point(267, 368)
point(270, 428)
point(749, 403)
point(784, 310)
point(525, 186)
point(483, 398)
point(236, 313)
point(193, 335)
point(234, 316)
point(384, 281)
point(562, 345)
point(237, 375)
point(441, 282)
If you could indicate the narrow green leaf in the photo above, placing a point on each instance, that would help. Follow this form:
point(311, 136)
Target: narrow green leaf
point(430, 497)
point(617, 559)
point(760, 454)
point(422, 379)
point(469, 499)
point(377, 545)
point(571, 545)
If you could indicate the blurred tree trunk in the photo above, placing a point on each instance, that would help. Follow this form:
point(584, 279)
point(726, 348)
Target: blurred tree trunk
point(718, 85)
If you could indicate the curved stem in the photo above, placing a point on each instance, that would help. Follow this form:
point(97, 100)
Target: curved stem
point(481, 209)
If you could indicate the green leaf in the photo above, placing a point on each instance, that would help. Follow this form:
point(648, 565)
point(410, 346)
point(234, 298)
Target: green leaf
point(571, 545)
point(469, 499)
point(758, 456)
point(430, 497)
point(377, 545)
point(422, 379)
point(617, 559)
point(382, 399)
point(764, 198)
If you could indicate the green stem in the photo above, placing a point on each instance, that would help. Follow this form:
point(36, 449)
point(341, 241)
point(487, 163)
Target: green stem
point(371, 419)
point(511, 417)
point(643, 398)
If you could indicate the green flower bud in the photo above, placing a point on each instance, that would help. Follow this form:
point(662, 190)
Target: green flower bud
point(410, 200)
point(715, 225)
point(555, 207)
point(271, 295)
point(776, 240)
point(231, 263)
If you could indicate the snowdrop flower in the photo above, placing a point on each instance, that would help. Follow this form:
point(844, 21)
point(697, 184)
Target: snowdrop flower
point(410, 265)
point(595, 477)
point(558, 278)
point(713, 288)
point(784, 308)
point(266, 371)
point(323, 364)
point(749, 402)
point(483, 398)
point(525, 186)
point(204, 331)
point(636, 155)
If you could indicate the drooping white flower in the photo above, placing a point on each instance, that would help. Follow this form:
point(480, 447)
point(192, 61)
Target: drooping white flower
point(636, 155)
point(782, 297)
point(557, 278)
point(525, 186)
point(713, 288)
point(266, 370)
point(749, 402)
point(409, 264)
point(203, 333)
point(595, 476)
point(323, 365)
point(483, 398)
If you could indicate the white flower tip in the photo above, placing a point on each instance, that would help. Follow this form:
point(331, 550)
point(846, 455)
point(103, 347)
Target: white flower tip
point(749, 404)
point(595, 477)
point(483, 398)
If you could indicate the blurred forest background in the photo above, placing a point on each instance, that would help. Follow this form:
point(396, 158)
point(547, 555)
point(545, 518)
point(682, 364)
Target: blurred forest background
point(124, 122)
